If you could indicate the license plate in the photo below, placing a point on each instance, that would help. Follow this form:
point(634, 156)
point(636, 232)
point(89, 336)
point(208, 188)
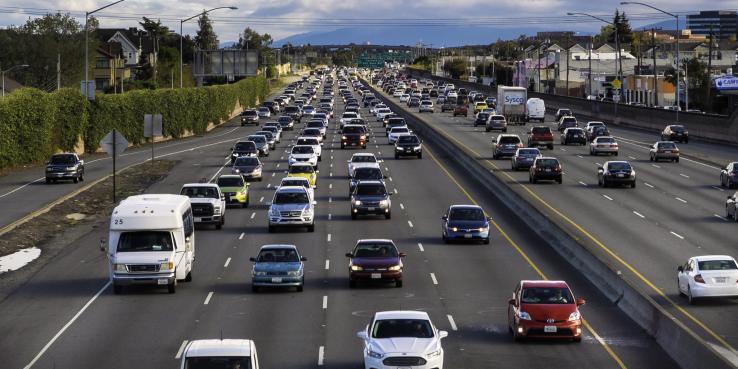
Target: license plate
point(276, 280)
point(353, 144)
point(548, 169)
point(721, 279)
point(376, 275)
point(667, 152)
point(549, 329)
point(370, 209)
point(468, 235)
point(621, 175)
point(162, 281)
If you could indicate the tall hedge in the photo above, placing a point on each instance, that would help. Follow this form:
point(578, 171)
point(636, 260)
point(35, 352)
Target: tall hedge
point(35, 124)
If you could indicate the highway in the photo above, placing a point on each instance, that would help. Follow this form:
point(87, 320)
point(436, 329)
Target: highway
point(66, 315)
point(675, 212)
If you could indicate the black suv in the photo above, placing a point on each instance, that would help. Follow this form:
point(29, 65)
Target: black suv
point(65, 166)
point(675, 133)
point(364, 174)
point(293, 112)
point(371, 197)
point(481, 119)
point(408, 145)
point(249, 116)
point(573, 135)
point(243, 148)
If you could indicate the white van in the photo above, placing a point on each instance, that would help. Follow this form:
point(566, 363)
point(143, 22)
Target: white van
point(536, 109)
point(151, 241)
point(220, 354)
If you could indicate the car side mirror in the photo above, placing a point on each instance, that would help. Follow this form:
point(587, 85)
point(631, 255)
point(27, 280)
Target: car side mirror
point(600, 169)
point(362, 335)
point(444, 217)
point(315, 203)
point(103, 244)
point(231, 149)
point(731, 197)
point(680, 269)
point(349, 255)
point(81, 162)
point(489, 219)
point(253, 259)
point(303, 258)
point(512, 302)
point(402, 254)
point(222, 197)
point(580, 301)
point(442, 334)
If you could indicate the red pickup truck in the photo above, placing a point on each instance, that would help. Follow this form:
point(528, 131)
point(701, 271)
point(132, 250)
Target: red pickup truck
point(540, 136)
point(461, 110)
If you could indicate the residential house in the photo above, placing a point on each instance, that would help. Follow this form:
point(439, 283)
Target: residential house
point(110, 67)
point(138, 47)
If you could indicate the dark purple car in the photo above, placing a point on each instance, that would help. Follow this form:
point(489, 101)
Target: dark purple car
point(375, 260)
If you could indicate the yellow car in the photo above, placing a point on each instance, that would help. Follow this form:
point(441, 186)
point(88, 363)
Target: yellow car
point(479, 106)
point(235, 189)
point(304, 171)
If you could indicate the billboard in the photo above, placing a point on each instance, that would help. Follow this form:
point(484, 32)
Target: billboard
point(726, 83)
point(226, 62)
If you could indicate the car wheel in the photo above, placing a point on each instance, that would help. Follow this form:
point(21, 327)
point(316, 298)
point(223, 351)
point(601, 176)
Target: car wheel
point(486, 241)
point(650, 158)
point(352, 283)
point(633, 184)
point(48, 180)
point(494, 156)
point(311, 228)
point(320, 158)
point(560, 180)
point(735, 216)
point(397, 156)
point(117, 289)
point(686, 141)
point(577, 339)
point(219, 225)
point(604, 183)
point(254, 288)
point(172, 287)
point(299, 288)
point(599, 182)
point(353, 216)
point(679, 289)
point(420, 155)
point(486, 129)
point(676, 160)
point(727, 212)
point(388, 215)
point(188, 278)
point(692, 300)
point(75, 179)
point(271, 229)
point(81, 177)
point(551, 147)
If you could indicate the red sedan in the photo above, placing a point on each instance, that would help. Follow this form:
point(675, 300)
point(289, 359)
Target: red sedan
point(544, 309)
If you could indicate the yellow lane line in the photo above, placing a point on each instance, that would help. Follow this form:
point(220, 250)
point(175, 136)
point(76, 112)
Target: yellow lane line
point(527, 259)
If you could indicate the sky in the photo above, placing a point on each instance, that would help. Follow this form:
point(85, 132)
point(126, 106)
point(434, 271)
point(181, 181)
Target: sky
point(282, 18)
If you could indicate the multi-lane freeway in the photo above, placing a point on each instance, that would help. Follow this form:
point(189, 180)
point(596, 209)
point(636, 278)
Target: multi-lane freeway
point(66, 315)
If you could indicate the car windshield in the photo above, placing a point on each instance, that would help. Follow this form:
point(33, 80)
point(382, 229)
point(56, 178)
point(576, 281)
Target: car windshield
point(408, 139)
point(466, 214)
point(249, 113)
point(230, 181)
point(529, 152)
point(509, 140)
point(246, 161)
point(278, 256)
point(244, 146)
point(302, 150)
point(292, 109)
point(605, 140)
point(547, 163)
point(350, 115)
point(264, 109)
point(574, 132)
point(399, 130)
point(312, 132)
point(371, 190)
point(283, 197)
point(62, 160)
point(618, 166)
point(266, 134)
point(717, 265)
point(546, 295)
point(390, 328)
point(565, 111)
point(677, 128)
point(363, 159)
point(353, 129)
point(296, 169)
point(540, 130)
point(284, 119)
point(425, 102)
point(375, 250)
point(569, 120)
point(667, 145)
point(145, 241)
point(217, 362)
point(497, 117)
point(200, 192)
point(295, 182)
point(367, 173)
point(315, 124)
point(481, 116)
point(307, 141)
point(257, 138)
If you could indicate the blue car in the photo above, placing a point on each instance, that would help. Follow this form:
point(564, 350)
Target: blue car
point(278, 266)
point(465, 223)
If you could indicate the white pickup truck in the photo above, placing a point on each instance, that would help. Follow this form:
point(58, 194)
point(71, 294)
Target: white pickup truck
point(208, 203)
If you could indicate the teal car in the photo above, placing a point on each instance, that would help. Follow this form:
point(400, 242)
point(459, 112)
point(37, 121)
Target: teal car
point(235, 189)
point(278, 266)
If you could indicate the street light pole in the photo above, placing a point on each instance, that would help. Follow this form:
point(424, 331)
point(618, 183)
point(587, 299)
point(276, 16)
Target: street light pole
point(618, 70)
point(87, 44)
point(678, 62)
point(8, 70)
point(181, 36)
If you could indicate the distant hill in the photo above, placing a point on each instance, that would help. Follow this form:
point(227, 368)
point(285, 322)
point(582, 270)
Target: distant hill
point(227, 44)
point(437, 36)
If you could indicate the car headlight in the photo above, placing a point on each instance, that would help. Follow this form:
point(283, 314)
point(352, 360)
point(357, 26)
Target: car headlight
point(293, 273)
point(343, 137)
point(71, 168)
point(120, 268)
point(374, 354)
point(166, 266)
point(257, 170)
point(524, 315)
point(240, 193)
point(395, 267)
point(236, 171)
point(356, 268)
point(258, 273)
point(455, 229)
point(217, 210)
point(357, 202)
point(483, 229)
point(307, 211)
point(575, 316)
point(418, 147)
point(433, 354)
point(384, 202)
point(274, 212)
point(234, 154)
point(48, 169)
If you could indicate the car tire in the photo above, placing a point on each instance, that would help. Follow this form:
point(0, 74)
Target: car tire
point(117, 289)
point(486, 241)
point(172, 287)
point(271, 229)
point(299, 288)
point(486, 129)
point(735, 216)
point(676, 160)
point(388, 215)
point(311, 228)
point(254, 288)
point(397, 156)
point(650, 158)
point(691, 299)
point(633, 184)
point(75, 179)
point(398, 283)
point(352, 283)
point(494, 156)
point(81, 177)
point(616, 153)
point(320, 158)
point(604, 183)
point(48, 180)
point(420, 155)
point(353, 216)
point(560, 181)
point(577, 339)
point(188, 278)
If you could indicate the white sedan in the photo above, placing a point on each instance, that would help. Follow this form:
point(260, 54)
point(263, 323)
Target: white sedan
point(303, 154)
point(362, 160)
point(402, 339)
point(381, 113)
point(404, 98)
point(708, 276)
point(397, 93)
point(396, 132)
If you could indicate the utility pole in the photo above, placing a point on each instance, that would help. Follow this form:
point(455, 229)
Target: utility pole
point(568, 47)
point(708, 103)
point(589, 75)
point(58, 71)
point(539, 67)
point(655, 74)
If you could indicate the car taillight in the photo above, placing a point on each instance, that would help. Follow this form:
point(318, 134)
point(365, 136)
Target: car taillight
point(558, 168)
point(498, 146)
point(698, 278)
point(520, 145)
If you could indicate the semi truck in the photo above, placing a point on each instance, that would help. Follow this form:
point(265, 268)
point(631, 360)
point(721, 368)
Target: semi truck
point(511, 102)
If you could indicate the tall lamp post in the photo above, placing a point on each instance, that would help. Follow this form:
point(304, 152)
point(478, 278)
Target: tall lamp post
point(8, 70)
point(87, 44)
point(181, 36)
point(618, 71)
point(678, 62)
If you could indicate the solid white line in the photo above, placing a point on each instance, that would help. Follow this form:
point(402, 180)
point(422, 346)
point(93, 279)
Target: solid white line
point(66, 326)
point(410, 223)
point(718, 188)
point(253, 215)
point(721, 217)
point(402, 206)
point(639, 214)
point(682, 200)
point(21, 187)
point(181, 349)
point(329, 237)
point(648, 184)
point(582, 183)
point(325, 302)
point(683, 175)
point(433, 277)
point(261, 199)
point(676, 234)
point(321, 354)
point(655, 166)
point(451, 321)
point(327, 264)
point(420, 246)
point(241, 236)
point(607, 197)
point(207, 299)
point(228, 261)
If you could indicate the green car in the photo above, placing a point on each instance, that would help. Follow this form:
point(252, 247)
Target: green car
point(235, 189)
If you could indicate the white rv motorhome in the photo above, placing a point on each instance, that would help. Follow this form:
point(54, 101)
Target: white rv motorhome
point(151, 241)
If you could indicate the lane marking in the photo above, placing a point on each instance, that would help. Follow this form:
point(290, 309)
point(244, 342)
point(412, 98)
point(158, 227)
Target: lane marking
point(269, 185)
point(607, 197)
point(329, 216)
point(420, 246)
point(327, 264)
point(207, 299)
point(330, 174)
point(677, 235)
point(580, 157)
point(402, 206)
point(240, 237)
point(66, 326)
point(329, 237)
point(639, 214)
point(253, 215)
point(410, 224)
point(680, 199)
point(648, 184)
point(330, 199)
point(583, 184)
point(433, 277)
point(181, 349)
point(325, 302)
point(261, 199)
point(683, 175)
point(721, 217)
point(321, 355)
point(396, 192)
point(718, 188)
point(273, 174)
point(632, 157)
point(330, 186)
point(228, 261)
point(451, 321)
point(655, 166)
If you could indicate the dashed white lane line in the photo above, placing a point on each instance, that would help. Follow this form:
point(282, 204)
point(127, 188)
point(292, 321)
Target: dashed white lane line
point(718, 188)
point(677, 235)
point(330, 216)
point(680, 199)
point(683, 175)
point(181, 349)
point(325, 302)
point(582, 183)
point(330, 174)
point(329, 237)
point(331, 165)
point(632, 157)
point(607, 197)
point(253, 215)
point(321, 355)
point(240, 237)
point(451, 321)
point(396, 192)
point(580, 157)
point(269, 185)
point(402, 206)
point(648, 184)
point(228, 261)
point(278, 165)
point(261, 199)
point(207, 299)
point(330, 199)
point(721, 217)
point(273, 174)
point(327, 264)
point(433, 278)
point(562, 149)
point(330, 186)
point(639, 214)
point(655, 166)
point(281, 157)
point(410, 223)
point(387, 169)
